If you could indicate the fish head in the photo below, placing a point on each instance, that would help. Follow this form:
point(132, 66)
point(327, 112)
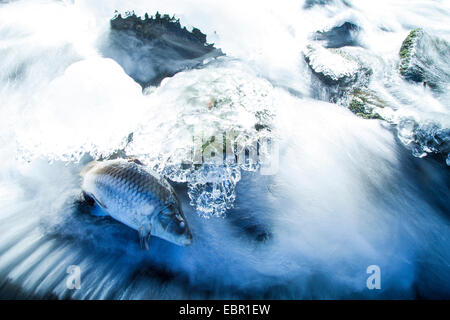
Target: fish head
point(171, 225)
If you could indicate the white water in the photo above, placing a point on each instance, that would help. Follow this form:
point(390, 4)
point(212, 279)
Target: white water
point(347, 195)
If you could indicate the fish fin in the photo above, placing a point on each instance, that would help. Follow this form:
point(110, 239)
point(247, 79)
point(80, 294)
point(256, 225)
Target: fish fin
point(147, 241)
point(95, 207)
point(98, 211)
point(98, 202)
point(135, 161)
point(87, 199)
point(88, 167)
point(144, 236)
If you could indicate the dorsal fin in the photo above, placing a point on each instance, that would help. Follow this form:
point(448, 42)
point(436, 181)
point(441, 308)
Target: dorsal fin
point(135, 161)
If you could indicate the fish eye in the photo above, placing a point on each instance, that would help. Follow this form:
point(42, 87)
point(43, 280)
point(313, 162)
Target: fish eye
point(182, 224)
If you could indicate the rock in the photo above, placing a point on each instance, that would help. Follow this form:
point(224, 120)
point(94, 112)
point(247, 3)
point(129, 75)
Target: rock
point(337, 72)
point(337, 37)
point(364, 103)
point(312, 3)
point(153, 48)
point(336, 66)
point(425, 58)
point(152, 28)
point(344, 77)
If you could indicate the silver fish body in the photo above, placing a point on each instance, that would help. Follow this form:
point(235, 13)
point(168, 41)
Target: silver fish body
point(138, 197)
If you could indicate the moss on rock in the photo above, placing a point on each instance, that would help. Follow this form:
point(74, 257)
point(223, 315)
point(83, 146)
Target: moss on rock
point(424, 59)
point(407, 48)
point(363, 103)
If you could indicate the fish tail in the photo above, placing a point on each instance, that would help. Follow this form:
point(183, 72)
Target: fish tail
point(88, 167)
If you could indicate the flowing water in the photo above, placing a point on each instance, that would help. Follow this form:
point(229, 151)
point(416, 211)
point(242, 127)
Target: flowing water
point(347, 193)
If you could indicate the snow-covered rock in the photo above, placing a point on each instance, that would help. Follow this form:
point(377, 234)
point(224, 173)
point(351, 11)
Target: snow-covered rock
point(425, 58)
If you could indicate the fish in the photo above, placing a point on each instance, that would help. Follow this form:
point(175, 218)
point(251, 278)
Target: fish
point(138, 197)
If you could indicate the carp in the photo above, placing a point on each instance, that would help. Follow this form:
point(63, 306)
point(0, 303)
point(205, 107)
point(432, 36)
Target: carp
point(133, 194)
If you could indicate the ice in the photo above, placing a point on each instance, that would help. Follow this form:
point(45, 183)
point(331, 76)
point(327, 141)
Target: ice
point(190, 117)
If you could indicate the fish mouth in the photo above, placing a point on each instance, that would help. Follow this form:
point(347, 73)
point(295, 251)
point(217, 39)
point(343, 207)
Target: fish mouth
point(181, 239)
point(180, 242)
